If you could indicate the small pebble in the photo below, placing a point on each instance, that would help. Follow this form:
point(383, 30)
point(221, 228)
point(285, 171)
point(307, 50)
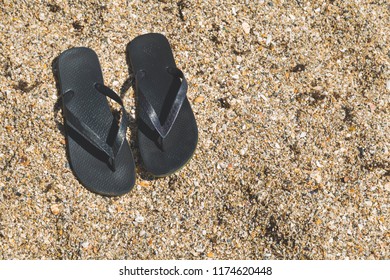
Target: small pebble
point(246, 27)
point(55, 209)
point(263, 97)
point(269, 39)
point(42, 16)
point(85, 244)
point(199, 99)
point(316, 175)
point(30, 149)
point(139, 219)
point(200, 249)
point(303, 135)
point(368, 203)
point(144, 183)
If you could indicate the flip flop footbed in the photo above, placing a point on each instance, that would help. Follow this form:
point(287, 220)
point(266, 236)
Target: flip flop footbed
point(79, 70)
point(152, 54)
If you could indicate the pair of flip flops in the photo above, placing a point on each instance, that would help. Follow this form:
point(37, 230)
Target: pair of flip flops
point(98, 151)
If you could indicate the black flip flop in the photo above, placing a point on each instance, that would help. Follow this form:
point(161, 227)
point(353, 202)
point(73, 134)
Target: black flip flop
point(98, 151)
point(167, 130)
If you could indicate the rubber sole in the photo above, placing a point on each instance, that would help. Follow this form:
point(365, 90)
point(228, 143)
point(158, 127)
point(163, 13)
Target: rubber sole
point(78, 70)
point(152, 54)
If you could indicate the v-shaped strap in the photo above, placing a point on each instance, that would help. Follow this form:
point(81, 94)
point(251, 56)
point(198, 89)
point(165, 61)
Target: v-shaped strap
point(87, 133)
point(162, 129)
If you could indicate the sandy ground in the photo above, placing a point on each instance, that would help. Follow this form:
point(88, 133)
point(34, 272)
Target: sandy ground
point(292, 104)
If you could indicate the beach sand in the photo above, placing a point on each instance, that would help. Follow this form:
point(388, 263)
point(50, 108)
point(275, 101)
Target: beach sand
point(292, 104)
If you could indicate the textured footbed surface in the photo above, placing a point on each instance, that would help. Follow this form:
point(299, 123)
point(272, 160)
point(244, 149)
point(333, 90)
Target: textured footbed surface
point(79, 70)
point(152, 54)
